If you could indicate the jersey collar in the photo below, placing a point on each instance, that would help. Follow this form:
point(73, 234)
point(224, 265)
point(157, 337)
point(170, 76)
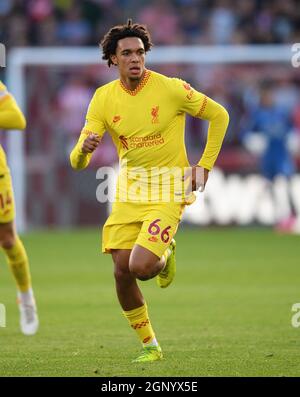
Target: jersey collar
point(141, 85)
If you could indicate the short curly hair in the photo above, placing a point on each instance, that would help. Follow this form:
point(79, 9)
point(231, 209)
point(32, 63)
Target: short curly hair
point(116, 33)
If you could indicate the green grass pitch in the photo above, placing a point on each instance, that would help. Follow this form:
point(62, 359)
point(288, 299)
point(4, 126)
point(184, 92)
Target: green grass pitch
point(228, 312)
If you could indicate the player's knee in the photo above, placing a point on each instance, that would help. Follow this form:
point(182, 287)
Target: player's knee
point(121, 273)
point(121, 269)
point(142, 270)
point(7, 238)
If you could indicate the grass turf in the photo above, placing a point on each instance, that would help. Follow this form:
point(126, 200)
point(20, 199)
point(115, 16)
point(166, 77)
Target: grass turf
point(228, 312)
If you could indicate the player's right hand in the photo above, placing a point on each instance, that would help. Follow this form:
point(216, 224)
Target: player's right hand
point(195, 178)
point(90, 143)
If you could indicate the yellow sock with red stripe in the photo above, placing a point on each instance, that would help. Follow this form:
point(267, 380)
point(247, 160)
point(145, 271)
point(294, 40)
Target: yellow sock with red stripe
point(18, 263)
point(139, 321)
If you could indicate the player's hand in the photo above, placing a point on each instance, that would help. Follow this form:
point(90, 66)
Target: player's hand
point(90, 143)
point(195, 178)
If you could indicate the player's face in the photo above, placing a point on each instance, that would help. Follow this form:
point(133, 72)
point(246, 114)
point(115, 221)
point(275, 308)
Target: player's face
point(130, 58)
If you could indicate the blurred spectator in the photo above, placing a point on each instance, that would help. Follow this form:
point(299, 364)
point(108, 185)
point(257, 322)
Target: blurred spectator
point(65, 91)
point(73, 100)
point(269, 133)
point(74, 29)
point(222, 22)
point(163, 16)
point(75, 22)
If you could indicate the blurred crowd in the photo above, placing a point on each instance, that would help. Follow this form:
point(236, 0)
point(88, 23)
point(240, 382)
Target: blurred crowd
point(66, 91)
point(83, 22)
point(57, 97)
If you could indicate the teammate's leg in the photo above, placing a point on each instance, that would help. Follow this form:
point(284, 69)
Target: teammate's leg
point(16, 256)
point(134, 306)
point(18, 262)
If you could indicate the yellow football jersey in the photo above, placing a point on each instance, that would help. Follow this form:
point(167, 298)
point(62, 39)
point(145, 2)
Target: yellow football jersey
point(11, 117)
point(147, 126)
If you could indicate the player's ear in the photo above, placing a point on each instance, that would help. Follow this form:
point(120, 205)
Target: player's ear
point(113, 58)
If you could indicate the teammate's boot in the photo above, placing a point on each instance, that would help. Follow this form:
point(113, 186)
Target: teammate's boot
point(166, 276)
point(29, 321)
point(150, 353)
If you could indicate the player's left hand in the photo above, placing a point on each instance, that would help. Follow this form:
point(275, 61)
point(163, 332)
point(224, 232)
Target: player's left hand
point(196, 178)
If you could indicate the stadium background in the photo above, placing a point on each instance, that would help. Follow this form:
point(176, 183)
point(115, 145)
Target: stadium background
point(57, 96)
point(57, 197)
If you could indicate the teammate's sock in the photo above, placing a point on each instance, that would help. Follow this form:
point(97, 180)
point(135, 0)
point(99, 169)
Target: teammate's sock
point(18, 263)
point(26, 297)
point(29, 320)
point(139, 320)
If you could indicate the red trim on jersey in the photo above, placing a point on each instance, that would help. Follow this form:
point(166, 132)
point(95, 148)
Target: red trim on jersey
point(203, 106)
point(141, 85)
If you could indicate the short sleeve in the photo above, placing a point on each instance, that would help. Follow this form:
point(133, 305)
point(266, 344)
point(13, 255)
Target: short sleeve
point(2, 87)
point(189, 100)
point(94, 117)
point(3, 91)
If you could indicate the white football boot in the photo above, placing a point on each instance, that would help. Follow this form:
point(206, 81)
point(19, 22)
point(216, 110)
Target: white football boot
point(29, 321)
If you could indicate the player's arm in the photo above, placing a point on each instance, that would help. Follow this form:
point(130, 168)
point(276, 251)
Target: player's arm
point(11, 116)
point(83, 150)
point(90, 136)
point(200, 106)
point(218, 119)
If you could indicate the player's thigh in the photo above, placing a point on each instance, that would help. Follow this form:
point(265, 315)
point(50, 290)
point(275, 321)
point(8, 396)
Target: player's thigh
point(142, 257)
point(159, 228)
point(7, 203)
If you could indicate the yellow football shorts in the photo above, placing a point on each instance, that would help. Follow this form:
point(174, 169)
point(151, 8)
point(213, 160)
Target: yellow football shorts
point(151, 226)
point(7, 203)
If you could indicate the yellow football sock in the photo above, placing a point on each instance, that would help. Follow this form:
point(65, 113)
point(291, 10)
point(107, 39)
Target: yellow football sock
point(139, 320)
point(18, 263)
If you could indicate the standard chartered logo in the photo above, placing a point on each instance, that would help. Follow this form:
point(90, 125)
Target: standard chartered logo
point(2, 55)
point(2, 316)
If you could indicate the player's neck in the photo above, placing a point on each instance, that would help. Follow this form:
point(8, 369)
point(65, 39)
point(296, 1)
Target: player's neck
point(132, 84)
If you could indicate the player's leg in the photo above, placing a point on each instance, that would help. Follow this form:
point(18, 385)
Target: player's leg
point(16, 257)
point(286, 211)
point(134, 306)
point(144, 264)
point(128, 292)
point(154, 251)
